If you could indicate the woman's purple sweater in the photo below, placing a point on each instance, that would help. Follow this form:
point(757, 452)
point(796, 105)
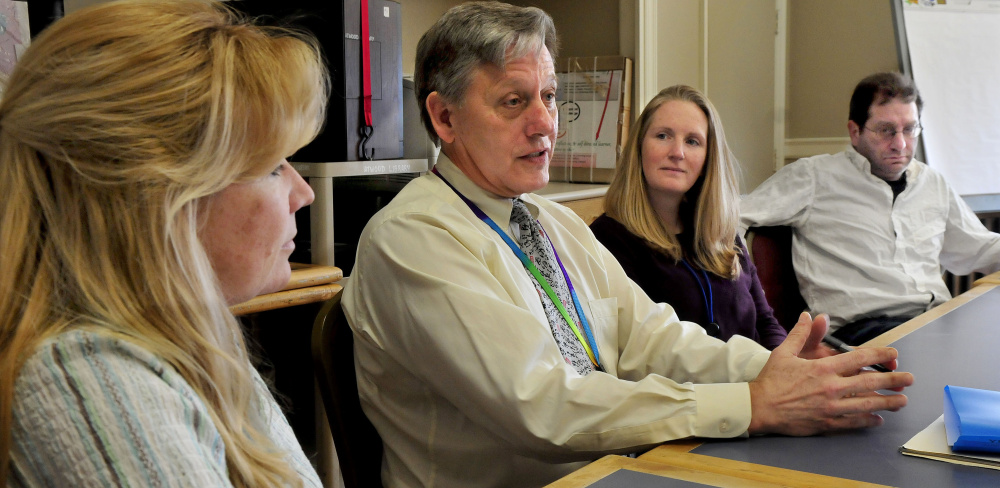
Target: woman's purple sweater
point(739, 305)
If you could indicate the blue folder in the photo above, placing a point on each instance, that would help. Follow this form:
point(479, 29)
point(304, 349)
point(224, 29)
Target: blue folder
point(972, 418)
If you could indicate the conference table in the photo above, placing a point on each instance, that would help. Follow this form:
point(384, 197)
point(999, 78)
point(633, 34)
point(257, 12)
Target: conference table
point(956, 343)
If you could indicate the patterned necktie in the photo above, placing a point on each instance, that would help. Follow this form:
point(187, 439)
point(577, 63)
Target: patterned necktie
point(534, 243)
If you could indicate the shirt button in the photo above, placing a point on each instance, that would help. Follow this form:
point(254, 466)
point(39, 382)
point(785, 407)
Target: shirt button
point(724, 426)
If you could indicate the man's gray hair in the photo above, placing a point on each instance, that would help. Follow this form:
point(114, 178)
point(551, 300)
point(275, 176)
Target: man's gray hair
point(470, 35)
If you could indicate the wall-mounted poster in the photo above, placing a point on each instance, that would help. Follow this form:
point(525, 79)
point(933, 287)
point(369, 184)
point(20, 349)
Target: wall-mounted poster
point(14, 33)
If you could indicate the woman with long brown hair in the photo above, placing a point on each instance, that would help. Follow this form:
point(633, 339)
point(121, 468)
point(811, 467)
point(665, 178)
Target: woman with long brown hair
point(671, 219)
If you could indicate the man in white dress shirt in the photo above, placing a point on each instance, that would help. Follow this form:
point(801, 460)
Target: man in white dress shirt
point(872, 227)
point(478, 374)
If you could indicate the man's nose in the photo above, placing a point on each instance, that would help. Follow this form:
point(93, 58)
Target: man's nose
point(898, 141)
point(542, 118)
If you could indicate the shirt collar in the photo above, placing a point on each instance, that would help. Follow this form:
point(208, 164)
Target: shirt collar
point(861, 162)
point(865, 166)
point(496, 207)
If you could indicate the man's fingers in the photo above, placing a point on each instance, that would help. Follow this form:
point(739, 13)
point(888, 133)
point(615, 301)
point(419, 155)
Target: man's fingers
point(856, 421)
point(865, 403)
point(892, 365)
point(850, 363)
point(798, 336)
point(798, 396)
point(818, 330)
point(864, 385)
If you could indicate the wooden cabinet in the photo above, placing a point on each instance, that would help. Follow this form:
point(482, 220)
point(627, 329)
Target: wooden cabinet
point(588, 208)
point(587, 200)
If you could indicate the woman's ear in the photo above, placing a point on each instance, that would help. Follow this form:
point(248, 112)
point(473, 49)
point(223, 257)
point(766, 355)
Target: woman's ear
point(440, 112)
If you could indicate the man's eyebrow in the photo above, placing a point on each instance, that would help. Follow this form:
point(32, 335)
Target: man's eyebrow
point(893, 124)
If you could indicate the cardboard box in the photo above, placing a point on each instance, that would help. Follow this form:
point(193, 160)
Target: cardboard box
point(595, 109)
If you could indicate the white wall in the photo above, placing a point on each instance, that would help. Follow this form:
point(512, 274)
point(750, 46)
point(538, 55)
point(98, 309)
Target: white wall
point(726, 49)
point(832, 46)
point(679, 44)
point(418, 16)
point(740, 81)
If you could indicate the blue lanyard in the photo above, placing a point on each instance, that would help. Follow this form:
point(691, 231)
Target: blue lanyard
point(712, 328)
point(589, 344)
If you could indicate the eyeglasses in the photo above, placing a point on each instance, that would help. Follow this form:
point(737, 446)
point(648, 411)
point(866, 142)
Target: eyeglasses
point(888, 132)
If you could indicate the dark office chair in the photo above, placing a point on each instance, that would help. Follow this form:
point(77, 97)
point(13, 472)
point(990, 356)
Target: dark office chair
point(359, 447)
point(771, 251)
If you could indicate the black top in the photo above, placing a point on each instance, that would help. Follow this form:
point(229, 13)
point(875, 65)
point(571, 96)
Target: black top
point(897, 186)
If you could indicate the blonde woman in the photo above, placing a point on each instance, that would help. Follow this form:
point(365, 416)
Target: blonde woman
point(671, 217)
point(145, 188)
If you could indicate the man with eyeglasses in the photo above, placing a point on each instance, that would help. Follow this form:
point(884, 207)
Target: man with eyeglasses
point(872, 227)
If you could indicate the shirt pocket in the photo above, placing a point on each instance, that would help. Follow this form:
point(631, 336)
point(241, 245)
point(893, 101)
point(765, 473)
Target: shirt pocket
point(928, 233)
point(604, 324)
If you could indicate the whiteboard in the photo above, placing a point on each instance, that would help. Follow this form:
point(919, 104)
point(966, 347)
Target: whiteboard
point(954, 54)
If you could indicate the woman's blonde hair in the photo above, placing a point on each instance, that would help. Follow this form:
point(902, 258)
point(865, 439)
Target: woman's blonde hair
point(116, 124)
point(712, 204)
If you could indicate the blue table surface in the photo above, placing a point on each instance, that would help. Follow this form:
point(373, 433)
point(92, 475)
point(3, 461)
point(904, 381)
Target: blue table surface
point(960, 348)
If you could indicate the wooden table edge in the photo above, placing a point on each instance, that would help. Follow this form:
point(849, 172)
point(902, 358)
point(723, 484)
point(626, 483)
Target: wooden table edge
point(313, 275)
point(704, 470)
point(990, 279)
point(287, 298)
